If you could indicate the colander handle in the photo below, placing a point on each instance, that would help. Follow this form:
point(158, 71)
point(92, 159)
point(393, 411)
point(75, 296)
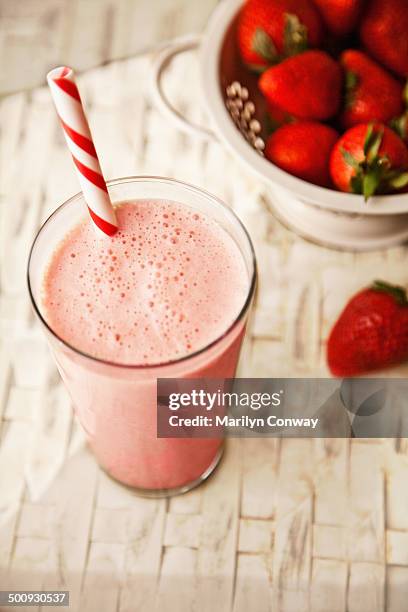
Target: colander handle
point(180, 45)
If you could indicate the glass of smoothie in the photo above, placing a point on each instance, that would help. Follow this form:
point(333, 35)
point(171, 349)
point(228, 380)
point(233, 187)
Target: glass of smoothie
point(167, 296)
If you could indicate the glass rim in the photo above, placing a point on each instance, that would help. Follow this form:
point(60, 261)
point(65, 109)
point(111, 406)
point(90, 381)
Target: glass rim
point(170, 362)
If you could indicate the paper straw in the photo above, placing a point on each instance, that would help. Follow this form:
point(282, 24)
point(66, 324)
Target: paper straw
point(79, 140)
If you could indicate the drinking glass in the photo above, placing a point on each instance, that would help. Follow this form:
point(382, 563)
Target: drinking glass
point(115, 403)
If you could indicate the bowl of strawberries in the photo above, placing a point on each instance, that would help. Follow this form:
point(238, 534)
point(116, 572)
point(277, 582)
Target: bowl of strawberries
point(323, 84)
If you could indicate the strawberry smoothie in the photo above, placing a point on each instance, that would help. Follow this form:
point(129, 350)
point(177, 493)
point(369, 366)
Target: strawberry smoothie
point(163, 298)
point(167, 284)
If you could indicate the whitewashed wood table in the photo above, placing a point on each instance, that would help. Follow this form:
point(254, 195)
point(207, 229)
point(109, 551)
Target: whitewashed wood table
point(290, 526)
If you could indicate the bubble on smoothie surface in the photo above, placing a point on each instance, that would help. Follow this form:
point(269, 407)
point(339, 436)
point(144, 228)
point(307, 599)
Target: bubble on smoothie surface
point(168, 283)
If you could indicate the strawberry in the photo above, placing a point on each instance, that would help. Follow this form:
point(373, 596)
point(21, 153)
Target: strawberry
point(340, 16)
point(271, 29)
point(371, 332)
point(303, 149)
point(369, 158)
point(307, 86)
point(371, 93)
point(384, 33)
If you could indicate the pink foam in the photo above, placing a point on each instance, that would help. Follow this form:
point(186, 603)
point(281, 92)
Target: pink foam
point(167, 284)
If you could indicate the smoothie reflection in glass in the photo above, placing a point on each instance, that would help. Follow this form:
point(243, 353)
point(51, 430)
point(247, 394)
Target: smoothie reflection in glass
point(167, 296)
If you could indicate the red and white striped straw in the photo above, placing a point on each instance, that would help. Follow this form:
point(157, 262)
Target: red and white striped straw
point(79, 140)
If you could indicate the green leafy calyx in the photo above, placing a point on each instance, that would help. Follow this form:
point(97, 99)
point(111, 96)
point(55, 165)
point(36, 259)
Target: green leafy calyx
point(374, 174)
point(263, 45)
point(397, 292)
point(294, 35)
point(400, 125)
point(294, 41)
point(351, 80)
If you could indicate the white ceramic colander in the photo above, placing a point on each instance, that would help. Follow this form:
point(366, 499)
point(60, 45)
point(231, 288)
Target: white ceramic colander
point(329, 217)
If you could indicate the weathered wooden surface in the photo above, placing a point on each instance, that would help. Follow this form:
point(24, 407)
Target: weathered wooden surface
point(36, 35)
point(283, 526)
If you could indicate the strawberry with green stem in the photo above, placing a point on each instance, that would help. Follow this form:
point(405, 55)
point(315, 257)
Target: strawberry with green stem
point(372, 94)
point(270, 30)
point(371, 333)
point(369, 159)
